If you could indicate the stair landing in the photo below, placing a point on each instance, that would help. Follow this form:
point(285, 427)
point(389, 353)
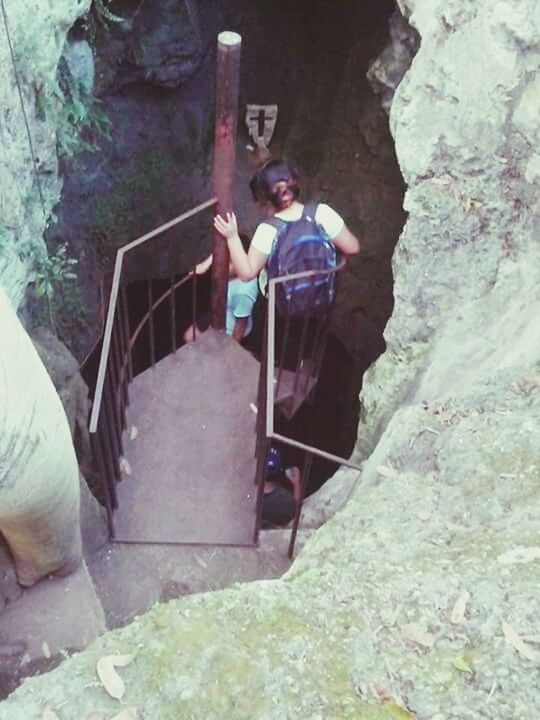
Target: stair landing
point(190, 443)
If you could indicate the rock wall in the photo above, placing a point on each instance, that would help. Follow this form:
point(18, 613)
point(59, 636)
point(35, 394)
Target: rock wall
point(29, 183)
point(39, 477)
point(466, 124)
point(387, 71)
point(419, 599)
point(39, 502)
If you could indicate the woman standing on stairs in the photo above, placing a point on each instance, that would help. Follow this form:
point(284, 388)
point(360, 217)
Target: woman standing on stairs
point(276, 187)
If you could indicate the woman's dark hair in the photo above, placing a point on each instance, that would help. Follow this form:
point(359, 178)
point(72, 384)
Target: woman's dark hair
point(277, 183)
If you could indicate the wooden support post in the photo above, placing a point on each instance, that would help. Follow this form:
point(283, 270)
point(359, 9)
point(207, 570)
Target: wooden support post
point(227, 82)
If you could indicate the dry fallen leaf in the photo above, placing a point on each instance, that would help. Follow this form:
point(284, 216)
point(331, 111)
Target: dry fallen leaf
point(126, 714)
point(398, 712)
point(201, 562)
point(386, 471)
point(124, 466)
point(513, 639)
point(45, 649)
point(458, 611)
point(416, 634)
point(48, 713)
point(111, 680)
point(520, 555)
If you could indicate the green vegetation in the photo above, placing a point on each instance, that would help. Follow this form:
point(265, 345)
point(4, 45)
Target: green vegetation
point(137, 199)
point(69, 109)
point(60, 100)
point(77, 116)
point(103, 14)
point(54, 280)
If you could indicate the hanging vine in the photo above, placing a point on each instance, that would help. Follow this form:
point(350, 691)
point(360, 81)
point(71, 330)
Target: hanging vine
point(105, 15)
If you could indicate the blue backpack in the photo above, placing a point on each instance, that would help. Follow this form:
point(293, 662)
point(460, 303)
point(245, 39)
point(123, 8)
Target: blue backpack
point(302, 245)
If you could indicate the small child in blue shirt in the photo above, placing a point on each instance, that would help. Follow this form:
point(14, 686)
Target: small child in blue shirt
point(241, 298)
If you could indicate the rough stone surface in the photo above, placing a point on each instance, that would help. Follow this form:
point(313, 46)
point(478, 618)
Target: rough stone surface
point(158, 44)
point(467, 262)
point(39, 477)
point(24, 215)
point(329, 499)
point(386, 72)
point(407, 604)
point(51, 619)
point(35, 57)
point(63, 370)
point(149, 574)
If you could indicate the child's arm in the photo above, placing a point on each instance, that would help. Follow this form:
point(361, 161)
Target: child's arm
point(246, 265)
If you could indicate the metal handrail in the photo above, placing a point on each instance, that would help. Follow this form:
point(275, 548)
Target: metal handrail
point(265, 431)
point(115, 370)
point(113, 300)
point(135, 334)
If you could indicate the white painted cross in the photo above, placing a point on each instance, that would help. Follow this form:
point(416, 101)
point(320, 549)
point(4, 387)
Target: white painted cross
point(261, 122)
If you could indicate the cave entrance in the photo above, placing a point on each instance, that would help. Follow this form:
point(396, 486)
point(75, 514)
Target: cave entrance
point(332, 127)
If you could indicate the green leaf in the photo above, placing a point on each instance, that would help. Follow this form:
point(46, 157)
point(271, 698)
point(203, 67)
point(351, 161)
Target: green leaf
point(460, 663)
point(397, 712)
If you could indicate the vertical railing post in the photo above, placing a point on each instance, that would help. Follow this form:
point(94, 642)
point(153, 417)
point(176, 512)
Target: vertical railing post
point(194, 304)
point(151, 334)
point(227, 84)
point(97, 452)
point(172, 297)
point(127, 330)
point(306, 471)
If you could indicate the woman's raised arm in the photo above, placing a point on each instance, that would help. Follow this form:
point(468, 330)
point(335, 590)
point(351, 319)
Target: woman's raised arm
point(246, 265)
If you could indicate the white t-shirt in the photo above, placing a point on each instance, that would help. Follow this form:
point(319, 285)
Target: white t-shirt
point(331, 222)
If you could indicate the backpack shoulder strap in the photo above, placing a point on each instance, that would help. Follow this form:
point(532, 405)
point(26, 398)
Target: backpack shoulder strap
point(280, 227)
point(309, 211)
point(276, 222)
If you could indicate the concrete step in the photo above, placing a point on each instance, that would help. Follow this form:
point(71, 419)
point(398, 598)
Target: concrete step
point(130, 578)
point(191, 459)
point(55, 616)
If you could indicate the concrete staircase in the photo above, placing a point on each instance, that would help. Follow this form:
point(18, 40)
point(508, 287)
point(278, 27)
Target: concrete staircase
point(189, 445)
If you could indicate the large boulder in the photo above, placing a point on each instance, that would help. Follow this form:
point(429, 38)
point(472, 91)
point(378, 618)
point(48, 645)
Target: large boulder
point(465, 119)
point(39, 476)
point(63, 370)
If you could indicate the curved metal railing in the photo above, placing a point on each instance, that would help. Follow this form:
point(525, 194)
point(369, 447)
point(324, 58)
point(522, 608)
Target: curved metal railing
point(311, 331)
point(115, 372)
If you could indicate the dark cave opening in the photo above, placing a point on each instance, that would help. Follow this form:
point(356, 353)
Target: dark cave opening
point(310, 58)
